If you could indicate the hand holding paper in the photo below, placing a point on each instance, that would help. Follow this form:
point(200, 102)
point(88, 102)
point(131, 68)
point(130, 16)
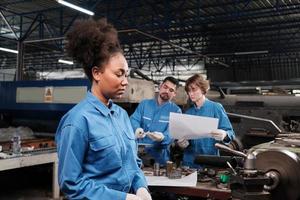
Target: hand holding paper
point(183, 143)
point(218, 134)
point(143, 194)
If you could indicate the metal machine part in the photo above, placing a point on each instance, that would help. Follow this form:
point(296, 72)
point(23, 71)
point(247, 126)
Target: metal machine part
point(246, 111)
point(169, 167)
point(288, 141)
point(271, 170)
point(250, 162)
point(282, 167)
point(41, 104)
point(274, 177)
point(249, 187)
point(227, 149)
point(218, 161)
point(257, 119)
point(16, 144)
point(246, 183)
point(277, 108)
point(156, 169)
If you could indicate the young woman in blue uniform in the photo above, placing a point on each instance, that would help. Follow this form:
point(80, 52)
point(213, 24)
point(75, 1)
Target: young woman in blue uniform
point(150, 121)
point(95, 141)
point(196, 88)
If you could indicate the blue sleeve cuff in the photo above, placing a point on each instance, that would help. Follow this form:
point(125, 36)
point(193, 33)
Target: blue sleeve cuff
point(120, 195)
point(140, 181)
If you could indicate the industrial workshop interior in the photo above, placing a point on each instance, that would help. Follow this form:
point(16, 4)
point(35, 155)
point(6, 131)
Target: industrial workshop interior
point(204, 105)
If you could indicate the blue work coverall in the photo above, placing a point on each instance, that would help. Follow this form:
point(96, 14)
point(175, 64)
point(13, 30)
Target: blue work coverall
point(151, 116)
point(205, 146)
point(97, 152)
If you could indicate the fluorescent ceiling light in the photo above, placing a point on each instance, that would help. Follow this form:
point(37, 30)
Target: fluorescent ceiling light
point(8, 50)
point(75, 7)
point(250, 52)
point(65, 62)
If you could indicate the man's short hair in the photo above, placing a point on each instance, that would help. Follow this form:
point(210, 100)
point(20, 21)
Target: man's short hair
point(172, 80)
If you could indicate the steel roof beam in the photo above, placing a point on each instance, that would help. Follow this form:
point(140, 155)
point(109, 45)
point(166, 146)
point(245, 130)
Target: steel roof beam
point(10, 28)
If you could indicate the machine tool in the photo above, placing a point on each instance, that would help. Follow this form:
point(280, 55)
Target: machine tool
point(262, 110)
point(270, 171)
point(39, 106)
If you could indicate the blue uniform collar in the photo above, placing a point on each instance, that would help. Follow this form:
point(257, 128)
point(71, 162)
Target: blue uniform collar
point(105, 110)
point(204, 103)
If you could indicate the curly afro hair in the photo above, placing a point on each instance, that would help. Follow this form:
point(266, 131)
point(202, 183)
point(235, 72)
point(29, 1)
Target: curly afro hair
point(92, 43)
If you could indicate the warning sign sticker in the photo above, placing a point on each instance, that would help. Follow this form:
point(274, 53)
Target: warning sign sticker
point(48, 97)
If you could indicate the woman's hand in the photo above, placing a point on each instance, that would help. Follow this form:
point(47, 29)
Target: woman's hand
point(132, 197)
point(183, 143)
point(143, 194)
point(218, 134)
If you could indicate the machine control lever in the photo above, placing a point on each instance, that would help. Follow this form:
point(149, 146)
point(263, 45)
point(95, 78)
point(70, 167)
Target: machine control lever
point(227, 149)
point(250, 158)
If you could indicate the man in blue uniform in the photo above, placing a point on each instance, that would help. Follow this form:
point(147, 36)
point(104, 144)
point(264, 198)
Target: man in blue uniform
point(150, 121)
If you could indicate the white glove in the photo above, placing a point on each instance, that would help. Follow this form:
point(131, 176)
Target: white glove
point(218, 134)
point(139, 133)
point(143, 194)
point(132, 197)
point(156, 136)
point(183, 143)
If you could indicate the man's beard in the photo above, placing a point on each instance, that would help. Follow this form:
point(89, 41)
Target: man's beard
point(164, 96)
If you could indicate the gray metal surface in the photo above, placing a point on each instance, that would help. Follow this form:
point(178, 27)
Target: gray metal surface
point(287, 165)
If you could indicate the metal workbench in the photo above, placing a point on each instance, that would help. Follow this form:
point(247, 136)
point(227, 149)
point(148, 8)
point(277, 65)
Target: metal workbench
point(33, 160)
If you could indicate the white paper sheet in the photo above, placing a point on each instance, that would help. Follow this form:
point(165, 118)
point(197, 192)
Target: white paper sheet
point(186, 181)
point(191, 126)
